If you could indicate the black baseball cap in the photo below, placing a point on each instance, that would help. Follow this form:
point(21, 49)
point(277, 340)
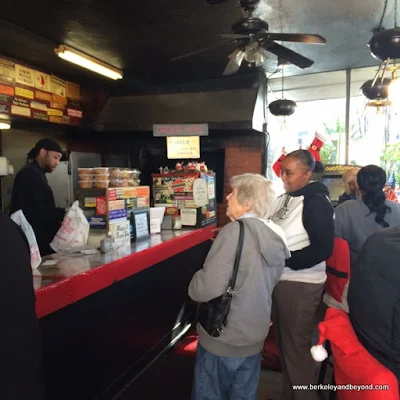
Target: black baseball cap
point(47, 144)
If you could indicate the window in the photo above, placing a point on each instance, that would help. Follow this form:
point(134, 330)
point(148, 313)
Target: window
point(298, 130)
point(374, 132)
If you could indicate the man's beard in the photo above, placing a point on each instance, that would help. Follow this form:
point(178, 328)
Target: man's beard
point(48, 169)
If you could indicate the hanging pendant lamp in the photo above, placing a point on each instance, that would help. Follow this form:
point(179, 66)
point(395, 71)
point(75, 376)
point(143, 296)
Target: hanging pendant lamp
point(282, 107)
point(386, 44)
point(379, 91)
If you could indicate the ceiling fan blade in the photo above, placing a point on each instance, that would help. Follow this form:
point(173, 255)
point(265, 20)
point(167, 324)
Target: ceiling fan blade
point(233, 36)
point(231, 68)
point(287, 54)
point(235, 61)
point(192, 53)
point(296, 37)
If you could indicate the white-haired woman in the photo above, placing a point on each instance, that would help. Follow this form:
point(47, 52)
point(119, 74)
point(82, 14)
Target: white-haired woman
point(228, 366)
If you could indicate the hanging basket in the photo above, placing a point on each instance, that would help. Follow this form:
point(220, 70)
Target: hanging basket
point(282, 107)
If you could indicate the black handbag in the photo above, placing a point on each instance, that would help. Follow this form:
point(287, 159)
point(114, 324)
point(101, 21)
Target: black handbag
point(213, 315)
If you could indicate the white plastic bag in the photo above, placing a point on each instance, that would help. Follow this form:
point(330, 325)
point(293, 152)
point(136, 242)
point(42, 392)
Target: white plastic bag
point(74, 231)
point(19, 218)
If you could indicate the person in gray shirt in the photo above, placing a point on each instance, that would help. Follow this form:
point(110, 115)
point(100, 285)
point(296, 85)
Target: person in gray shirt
point(228, 366)
point(356, 221)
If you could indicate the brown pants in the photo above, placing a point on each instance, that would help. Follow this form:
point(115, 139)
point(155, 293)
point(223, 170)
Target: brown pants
point(294, 308)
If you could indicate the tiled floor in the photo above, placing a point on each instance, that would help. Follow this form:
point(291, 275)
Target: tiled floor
point(270, 385)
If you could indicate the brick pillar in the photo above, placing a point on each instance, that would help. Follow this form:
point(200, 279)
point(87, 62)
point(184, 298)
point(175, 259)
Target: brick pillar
point(240, 158)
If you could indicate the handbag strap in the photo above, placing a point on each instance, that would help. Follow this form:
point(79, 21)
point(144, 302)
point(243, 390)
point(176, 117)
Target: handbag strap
point(232, 281)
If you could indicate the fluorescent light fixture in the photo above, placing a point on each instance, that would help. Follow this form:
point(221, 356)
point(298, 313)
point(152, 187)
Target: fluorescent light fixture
point(4, 125)
point(78, 58)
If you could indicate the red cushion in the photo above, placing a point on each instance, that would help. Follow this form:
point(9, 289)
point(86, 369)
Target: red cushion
point(339, 261)
point(352, 362)
point(188, 346)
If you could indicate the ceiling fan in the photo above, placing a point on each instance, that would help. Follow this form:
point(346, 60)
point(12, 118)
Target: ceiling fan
point(254, 41)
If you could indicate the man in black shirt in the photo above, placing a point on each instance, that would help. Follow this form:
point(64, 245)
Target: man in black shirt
point(33, 195)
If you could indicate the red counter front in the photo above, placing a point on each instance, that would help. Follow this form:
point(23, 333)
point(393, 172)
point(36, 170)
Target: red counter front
point(59, 286)
point(105, 317)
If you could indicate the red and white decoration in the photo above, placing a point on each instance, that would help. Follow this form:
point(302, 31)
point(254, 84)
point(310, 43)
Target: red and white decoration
point(277, 165)
point(316, 145)
point(314, 148)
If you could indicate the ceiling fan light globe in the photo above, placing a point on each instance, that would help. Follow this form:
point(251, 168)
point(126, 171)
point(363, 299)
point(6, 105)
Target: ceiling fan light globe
point(260, 60)
point(250, 57)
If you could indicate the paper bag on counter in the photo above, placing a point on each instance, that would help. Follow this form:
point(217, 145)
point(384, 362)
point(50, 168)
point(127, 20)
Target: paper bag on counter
point(19, 218)
point(74, 231)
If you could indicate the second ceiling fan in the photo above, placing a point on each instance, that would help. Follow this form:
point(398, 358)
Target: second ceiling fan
point(254, 40)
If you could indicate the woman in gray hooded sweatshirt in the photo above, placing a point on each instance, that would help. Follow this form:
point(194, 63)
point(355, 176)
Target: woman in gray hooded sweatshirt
point(228, 366)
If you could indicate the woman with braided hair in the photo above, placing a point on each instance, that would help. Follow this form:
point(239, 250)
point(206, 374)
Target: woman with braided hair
point(356, 220)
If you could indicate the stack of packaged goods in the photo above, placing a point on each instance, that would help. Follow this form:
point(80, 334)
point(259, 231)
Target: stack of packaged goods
point(94, 178)
point(124, 177)
point(101, 178)
point(85, 178)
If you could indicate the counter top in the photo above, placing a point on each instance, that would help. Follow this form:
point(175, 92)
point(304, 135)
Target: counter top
point(75, 277)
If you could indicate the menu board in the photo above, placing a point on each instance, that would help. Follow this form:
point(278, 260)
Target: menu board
point(24, 75)
point(42, 81)
point(179, 148)
point(58, 86)
point(7, 71)
point(22, 92)
point(29, 93)
point(7, 90)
